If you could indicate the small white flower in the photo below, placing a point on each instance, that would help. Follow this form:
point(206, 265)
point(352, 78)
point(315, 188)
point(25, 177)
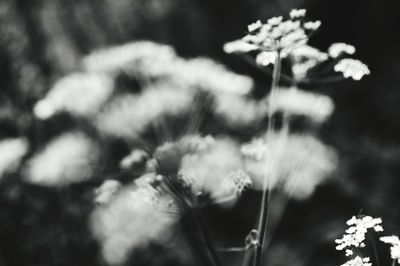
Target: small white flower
point(394, 241)
point(352, 68)
point(239, 46)
point(254, 26)
point(312, 25)
point(358, 261)
point(106, 191)
point(337, 49)
point(297, 13)
point(355, 234)
point(266, 58)
point(349, 252)
point(274, 21)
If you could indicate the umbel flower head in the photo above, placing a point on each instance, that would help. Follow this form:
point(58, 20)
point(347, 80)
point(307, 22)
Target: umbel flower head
point(355, 234)
point(295, 163)
point(394, 242)
point(275, 34)
point(354, 239)
point(196, 171)
point(289, 38)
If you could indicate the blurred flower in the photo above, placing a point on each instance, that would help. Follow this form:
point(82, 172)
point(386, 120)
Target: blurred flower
point(80, 94)
point(106, 191)
point(216, 171)
point(395, 246)
point(70, 158)
point(127, 116)
point(337, 49)
point(142, 55)
point(214, 77)
point(295, 163)
point(130, 220)
point(11, 153)
point(293, 102)
point(237, 110)
point(352, 68)
point(135, 158)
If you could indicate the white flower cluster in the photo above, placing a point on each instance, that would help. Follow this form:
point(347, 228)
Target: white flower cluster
point(304, 58)
point(337, 49)
point(11, 153)
point(80, 94)
point(355, 234)
point(275, 34)
point(215, 171)
point(358, 261)
point(352, 68)
point(298, 102)
point(70, 158)
point(295, 163)
point(394, 241)
point(106, 191)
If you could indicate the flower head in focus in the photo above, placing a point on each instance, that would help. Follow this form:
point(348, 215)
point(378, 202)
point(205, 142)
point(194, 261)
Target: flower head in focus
point(354, 237)
point(352, 68)
point(394, 243)
point(275, 34)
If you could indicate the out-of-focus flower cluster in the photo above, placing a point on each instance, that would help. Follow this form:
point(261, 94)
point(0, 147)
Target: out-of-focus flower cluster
point(296, 163)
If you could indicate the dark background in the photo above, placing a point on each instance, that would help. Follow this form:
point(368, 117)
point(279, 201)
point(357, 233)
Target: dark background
point(42, 40)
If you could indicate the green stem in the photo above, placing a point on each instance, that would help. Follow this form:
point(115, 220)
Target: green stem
point(265, 199)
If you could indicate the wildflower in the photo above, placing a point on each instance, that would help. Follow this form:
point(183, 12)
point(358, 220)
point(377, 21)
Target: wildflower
point(106, 191)
point(238, 111)
point(123, 223)
point(266, 58)
point(127, 116)
point(358, 261)
point(395, 246)
point(337, 49)
point(254, 26)
point(81, 94)
point(297, 13)
point(278, 34)
point(312, 25)
point(11, 153)
point(295, 163)
point(352, 68)
point(297, 102)
point(239, 46)
point(135, 158)
point(216, 171)
point(355, 234)
point(70, 158)
point(140, 55)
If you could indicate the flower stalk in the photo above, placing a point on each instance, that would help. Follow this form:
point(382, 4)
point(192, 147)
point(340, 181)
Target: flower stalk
point(265, 199)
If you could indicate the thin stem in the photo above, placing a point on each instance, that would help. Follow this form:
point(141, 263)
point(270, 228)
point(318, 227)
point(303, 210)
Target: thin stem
point(265, 199)
point(204, 239)
point(394, 262)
